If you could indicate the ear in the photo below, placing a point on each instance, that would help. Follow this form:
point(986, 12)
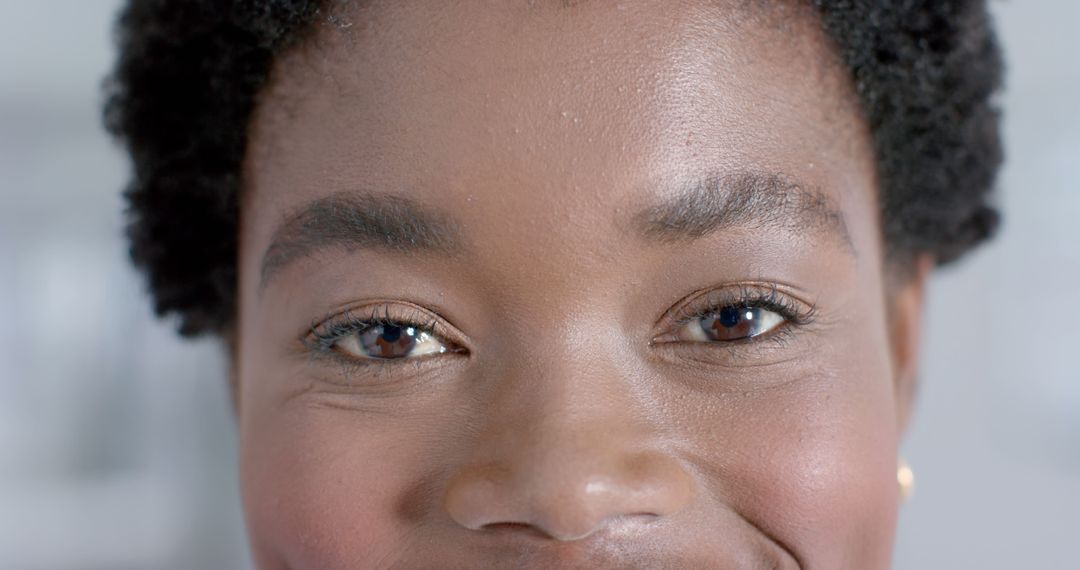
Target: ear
point(907, 295)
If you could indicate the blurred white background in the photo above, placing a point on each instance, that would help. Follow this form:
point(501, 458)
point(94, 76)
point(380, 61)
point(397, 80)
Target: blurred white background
point(116, 441)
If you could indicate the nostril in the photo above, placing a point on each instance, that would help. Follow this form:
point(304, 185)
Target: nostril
point(515, 528)
point(570, 499)
point(613, 524)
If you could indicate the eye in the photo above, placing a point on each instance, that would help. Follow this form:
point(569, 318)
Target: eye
point(729, 324)
point(389, 341)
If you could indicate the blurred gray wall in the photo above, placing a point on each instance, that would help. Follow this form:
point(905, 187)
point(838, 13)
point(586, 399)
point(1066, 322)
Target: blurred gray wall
point(116, 443)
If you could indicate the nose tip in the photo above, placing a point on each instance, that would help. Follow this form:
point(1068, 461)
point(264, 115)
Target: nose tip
point(568, 502)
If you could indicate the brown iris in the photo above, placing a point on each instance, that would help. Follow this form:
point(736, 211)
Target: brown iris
point(733, 323)
point(388, 341)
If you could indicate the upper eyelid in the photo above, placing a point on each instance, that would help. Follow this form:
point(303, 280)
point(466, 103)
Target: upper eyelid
point(352, 317)
point(349, 324)
point(703, 302)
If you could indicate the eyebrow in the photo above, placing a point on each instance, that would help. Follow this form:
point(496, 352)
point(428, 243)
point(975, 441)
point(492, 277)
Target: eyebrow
point(357, 221)
point(379, 221)
point(747, 199)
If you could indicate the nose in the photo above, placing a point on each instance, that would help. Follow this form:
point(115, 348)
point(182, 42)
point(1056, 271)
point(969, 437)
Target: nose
point(568, 500)
point(566, 470)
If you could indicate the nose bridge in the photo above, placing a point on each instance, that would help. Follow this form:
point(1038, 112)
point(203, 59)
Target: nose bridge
point(573, 416)
point(565, 449)
point(564, 392)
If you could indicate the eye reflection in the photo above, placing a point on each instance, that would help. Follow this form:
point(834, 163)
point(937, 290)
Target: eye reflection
point(390, 341)
point(729, 324)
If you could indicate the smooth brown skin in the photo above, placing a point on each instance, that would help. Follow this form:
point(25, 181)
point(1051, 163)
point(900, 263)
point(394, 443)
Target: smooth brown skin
point(538, 137)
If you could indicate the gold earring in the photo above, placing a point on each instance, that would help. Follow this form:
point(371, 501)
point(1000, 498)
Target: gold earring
point(905, 477)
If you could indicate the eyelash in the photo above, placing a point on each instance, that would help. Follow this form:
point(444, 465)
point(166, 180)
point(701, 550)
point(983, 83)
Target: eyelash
point(757, 297)
point(321, 336)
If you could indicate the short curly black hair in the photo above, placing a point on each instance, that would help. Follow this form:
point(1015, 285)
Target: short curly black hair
point(190, 71)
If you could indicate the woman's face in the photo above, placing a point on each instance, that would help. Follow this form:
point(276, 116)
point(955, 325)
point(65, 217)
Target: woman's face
point(560, 284)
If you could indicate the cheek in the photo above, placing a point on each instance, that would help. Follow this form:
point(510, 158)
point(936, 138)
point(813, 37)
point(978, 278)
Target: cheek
point(824, 483)
point(320, 491)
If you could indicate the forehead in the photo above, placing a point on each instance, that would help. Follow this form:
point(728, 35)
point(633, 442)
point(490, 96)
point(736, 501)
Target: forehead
point(516, 116)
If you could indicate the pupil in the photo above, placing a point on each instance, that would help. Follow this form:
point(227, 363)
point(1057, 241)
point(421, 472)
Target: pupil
point(730, 317)
point(388, 341)
point(391, 333)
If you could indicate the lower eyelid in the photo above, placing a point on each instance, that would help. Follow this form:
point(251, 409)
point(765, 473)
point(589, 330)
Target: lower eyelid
point(358, 376)
point(787, 342)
